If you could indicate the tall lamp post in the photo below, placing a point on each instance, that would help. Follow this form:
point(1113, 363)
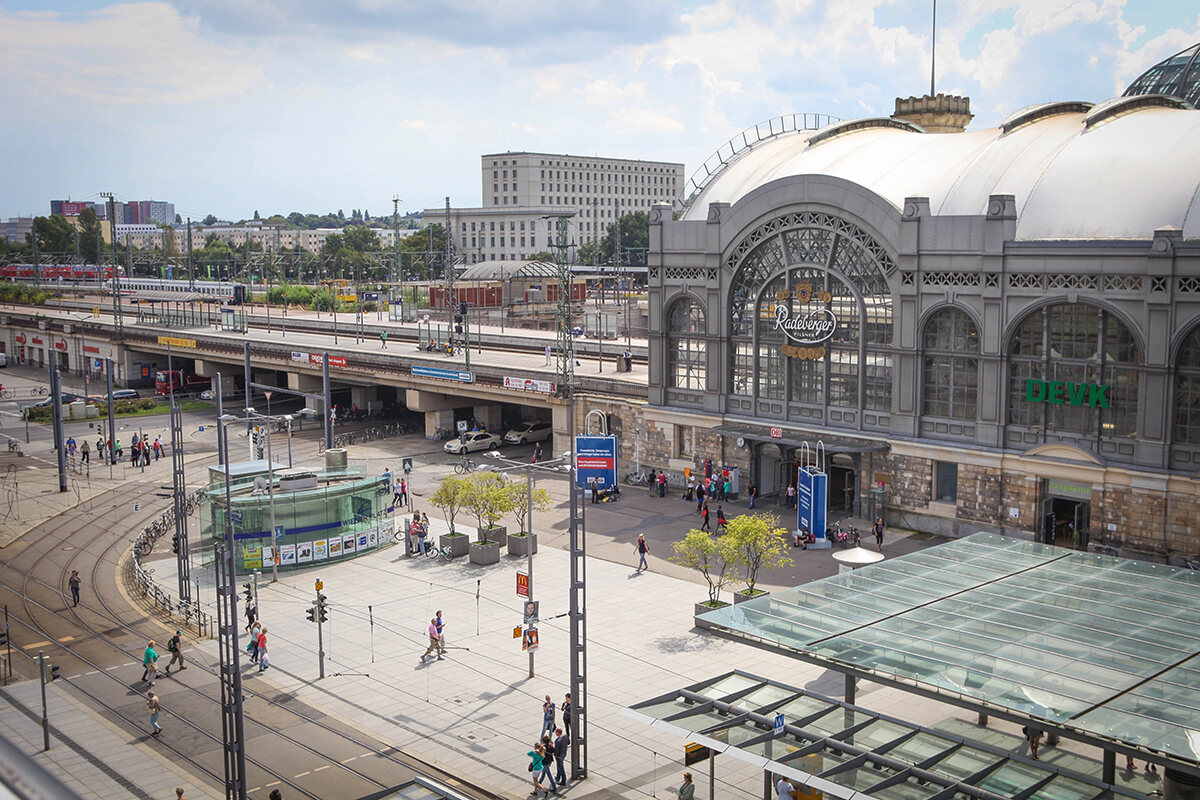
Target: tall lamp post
point(251, 413)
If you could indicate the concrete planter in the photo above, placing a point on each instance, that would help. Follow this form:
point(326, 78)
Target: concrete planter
point(485, 553)
point(457, 542)
point(702, 608)
point(496, 534)
point(522, 544)
point(741, 597)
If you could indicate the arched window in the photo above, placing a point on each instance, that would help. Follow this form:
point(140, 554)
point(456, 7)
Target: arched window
point(804, 267)
point(685, 345)
point(1187, 392)
point(951, 375)
point(1074, 368)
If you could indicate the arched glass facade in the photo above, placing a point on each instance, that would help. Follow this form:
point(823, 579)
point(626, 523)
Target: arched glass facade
point(1074, 369)
point(845, 270)
point(950, 385)
point(1186, 429)
point(1178, 76)
point(685, 346)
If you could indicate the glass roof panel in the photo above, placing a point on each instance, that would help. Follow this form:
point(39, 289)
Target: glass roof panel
point(666, 709)
point(803, 707)
point(876, 735)
point(908, 790)
point(730, 684)
point(768, 696)
point(1012, 778)
point(837, 721)
point(920, 748)
point(1064, 788)
point(777, 748)
point(963, 763)
point(864, 777)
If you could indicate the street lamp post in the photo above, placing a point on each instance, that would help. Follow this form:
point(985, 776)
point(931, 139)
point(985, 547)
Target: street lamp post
point(268, 418)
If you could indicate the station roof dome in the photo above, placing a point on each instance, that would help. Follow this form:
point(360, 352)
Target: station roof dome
point(503, 270)
point(1177, 76)
point(1116, 170)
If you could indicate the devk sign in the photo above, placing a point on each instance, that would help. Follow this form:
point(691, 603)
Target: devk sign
point(812, 500)
point(596, 457)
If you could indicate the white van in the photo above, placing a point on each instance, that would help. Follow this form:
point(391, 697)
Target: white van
point(3, 359)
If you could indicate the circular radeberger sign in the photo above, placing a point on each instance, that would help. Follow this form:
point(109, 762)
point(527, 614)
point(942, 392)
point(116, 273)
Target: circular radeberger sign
point(812, 327)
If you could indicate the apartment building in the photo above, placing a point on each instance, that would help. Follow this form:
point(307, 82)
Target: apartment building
point(503, 234)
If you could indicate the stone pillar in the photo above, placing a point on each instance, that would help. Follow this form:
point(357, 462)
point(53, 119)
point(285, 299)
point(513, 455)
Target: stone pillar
point(559, 440)
point(489, 418)
point(363, 397)
point(301, 382)
point(441, 418)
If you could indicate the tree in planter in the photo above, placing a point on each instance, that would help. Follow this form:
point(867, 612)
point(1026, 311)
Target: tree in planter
point(451, 497)
point(713, 556)
point(488, 499)
point(520, 503)
point(757, 541)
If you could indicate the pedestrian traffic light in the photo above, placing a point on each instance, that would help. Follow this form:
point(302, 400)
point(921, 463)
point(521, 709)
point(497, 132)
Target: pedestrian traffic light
point(175, 544)
point(246, 590)
point(312, 613)
point(321, 607)
point(50, 672)
point(323, 616)
point(462, 308)
point(3, 638)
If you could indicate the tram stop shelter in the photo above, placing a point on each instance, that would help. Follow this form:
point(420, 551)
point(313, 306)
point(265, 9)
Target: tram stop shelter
point(1100, 650)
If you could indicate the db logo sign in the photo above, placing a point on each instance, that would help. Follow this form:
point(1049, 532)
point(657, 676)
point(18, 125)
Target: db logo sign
point(776, 433)
point(20, 338)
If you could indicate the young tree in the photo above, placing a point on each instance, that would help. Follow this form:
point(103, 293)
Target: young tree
point(209, 220)
point(488, 500)
point(757, 541)
point(711, 555)
point(450, 497)
point(520, 501)
point(89, 236)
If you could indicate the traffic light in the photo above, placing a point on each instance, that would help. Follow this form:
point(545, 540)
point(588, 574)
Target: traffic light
point(249, 592)
point(324, 617)
point(312, 613)
point(175, 544)
point(50, 672)
point(3, 638)
point(462, 308)
point(458, 318)
point(322, 607)
point(458, 328)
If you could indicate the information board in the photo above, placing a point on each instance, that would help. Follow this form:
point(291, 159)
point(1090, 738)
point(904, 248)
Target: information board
point(596, 457)
point(812, 500)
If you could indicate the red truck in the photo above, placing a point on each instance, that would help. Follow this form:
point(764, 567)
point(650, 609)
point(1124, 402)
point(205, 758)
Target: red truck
point(181, 381)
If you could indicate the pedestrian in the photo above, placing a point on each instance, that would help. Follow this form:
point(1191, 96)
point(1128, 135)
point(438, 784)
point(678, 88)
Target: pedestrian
point(1033, 735)
point(275, 795)
point(150, 663)
point(628, 356)
point(704, 516)
point(535, 768)
point(561, 742)
point(383, 339)
point(71, 446)
point(251, 613)
point(434, 642)
point(179, 793)
point(566, 709)
point(548, 351)
point(593, 485)
point(662, 483)
point(643, 550)
point(727, 488)
point(100, 447)
point(721, 522)
point(791, 495)
point(252, 646)
point(145, 454)
point(85, 450)
point(783, 788)
point(537, 452)
point(120, 451)
point(688, 790)
point(260, 649)
point(878, 530)
point(175, 648)
point(699, 497)
point(403, 491)
point(134, 455)
point(548, 712)
point(422, 534)
point(158, 447)
point(73, 582)
point(153, 706)
point(547, 761)
point(752, 492)
point(441, 629)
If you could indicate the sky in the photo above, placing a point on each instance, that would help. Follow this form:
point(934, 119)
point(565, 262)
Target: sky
point(228, 107)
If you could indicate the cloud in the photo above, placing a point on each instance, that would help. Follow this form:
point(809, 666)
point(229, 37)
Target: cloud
point(135, 53)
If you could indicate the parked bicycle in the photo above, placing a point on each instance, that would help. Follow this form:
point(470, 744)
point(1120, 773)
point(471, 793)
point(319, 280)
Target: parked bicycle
point(846, 537)
point(639, 478)
point(464, 466)
point(434, 552)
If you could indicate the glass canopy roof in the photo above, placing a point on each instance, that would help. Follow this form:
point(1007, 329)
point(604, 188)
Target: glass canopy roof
point(1105, 646)
point(843, 751)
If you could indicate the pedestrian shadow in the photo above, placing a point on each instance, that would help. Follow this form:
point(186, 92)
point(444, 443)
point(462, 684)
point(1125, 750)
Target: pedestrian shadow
point(684, 644)
point(637, 573)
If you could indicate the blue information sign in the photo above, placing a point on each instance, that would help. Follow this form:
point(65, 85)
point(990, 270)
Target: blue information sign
point(459, 375)
point(596, 457)
point(812, 499)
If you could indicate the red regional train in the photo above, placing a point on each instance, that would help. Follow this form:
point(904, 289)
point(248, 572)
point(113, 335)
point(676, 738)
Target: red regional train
point(58, 272)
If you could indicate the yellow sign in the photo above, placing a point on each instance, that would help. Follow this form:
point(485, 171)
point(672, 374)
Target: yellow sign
point(252, 558)
point(320, 585)
point(517, 632)
point(173, 342)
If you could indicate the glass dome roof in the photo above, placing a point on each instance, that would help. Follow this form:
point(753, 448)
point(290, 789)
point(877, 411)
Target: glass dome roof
point(1177, 76)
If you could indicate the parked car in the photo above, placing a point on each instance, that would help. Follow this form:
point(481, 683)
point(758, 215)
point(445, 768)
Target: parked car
point(123, 394)
point(208, 394)
point(46, 402)
point(529, 432)
point(475, 440)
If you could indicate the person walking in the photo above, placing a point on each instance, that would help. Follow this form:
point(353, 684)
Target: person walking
point(791, 495)
point(535, 768)
point(628, 356)
point(783, 788)
point(422, 534)
point(441, 630)
point(593, 485)
point(566, 709)
point(252, 646)
point(175, 648)
point(261, 649)
point(434, 641)
point(547, 761)
point(85, 450)
point(403, 491)
point(150, 663)
point(275, 795)
point(561, 743)
point(251, 613)
point(120, 450)
point(73, 582)
point(700, 494)
point(662, 483)
point(877, 529)
point(397, 493)
point(548, 712)
point(158, 447)
point(383, 339)
point(643, 549)
point(688, 790)
point(704, 516)
point(752, 492)
point(548, 351)
point(689, 488)
point(179, 793)
point(1033, 735)
point(537, 452)
point(721, 521)
point(154, 707)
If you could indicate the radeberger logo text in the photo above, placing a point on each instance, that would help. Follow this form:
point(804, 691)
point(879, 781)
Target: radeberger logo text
point(811, 328)
point(1062, 393)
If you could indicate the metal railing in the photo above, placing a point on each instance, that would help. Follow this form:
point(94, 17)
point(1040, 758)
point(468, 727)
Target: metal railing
point(190, 615)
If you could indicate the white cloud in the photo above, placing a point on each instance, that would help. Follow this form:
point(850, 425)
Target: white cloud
point(414, 124)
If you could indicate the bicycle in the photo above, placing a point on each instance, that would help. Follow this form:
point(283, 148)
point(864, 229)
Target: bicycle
point(5, 394)
point(638, 478)
point(435, 552)
point(1104, 549)
point(464, 466)
point(39, 390)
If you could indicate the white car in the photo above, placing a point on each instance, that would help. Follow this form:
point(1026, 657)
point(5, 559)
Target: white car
point(475, 440)
point(529, 432)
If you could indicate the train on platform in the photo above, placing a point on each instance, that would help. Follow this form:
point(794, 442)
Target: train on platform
point(53, 273)
point(158, 289)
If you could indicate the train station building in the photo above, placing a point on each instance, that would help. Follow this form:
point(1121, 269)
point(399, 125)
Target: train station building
point(991, 330)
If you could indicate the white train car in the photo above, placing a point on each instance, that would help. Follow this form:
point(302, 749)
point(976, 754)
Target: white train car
point(159, 289)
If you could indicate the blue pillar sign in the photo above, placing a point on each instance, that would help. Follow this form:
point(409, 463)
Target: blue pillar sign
point(596, 457)
point(812, 499)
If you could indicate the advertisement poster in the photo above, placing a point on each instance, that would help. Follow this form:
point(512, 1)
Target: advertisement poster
point(304, 552)
point(595, 458)
point(287, 555)
point(252, 557)
point(811, 501)
point(362, 540)
point(348, 541)
point(320, 550)
point(373, 537)
point(335, 547)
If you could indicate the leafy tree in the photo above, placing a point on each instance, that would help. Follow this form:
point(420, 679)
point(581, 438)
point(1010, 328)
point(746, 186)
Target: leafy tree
point(757, 541)
point(178, 220)
point(89, 236)
point(210, 220)
point(488, 500)
point(542, 255)
point(632, 232)
point(54, 234)
point(360, 238)
point(418, 247)
point(520, 503)
point(256, 216)
point(451, 496)
point(589, 253)
point(712, 556)
point(341, 215)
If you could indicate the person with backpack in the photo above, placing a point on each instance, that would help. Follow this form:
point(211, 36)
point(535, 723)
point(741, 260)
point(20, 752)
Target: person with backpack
point(175, 648)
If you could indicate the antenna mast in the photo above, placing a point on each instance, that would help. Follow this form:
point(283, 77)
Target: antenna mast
point(933, 50)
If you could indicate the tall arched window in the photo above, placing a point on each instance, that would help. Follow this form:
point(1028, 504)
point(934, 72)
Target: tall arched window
point(1074, 368)
point(777, 265)
point(685, 346)
point(951, 375)
point(1187, 392)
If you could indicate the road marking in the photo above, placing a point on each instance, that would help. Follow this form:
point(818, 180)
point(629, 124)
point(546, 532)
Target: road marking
point(273, 783)
point(36, 644)
point(65, 639)
point(302, 774)
point(93, 672)
point(318, 769)
point(348, 760)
